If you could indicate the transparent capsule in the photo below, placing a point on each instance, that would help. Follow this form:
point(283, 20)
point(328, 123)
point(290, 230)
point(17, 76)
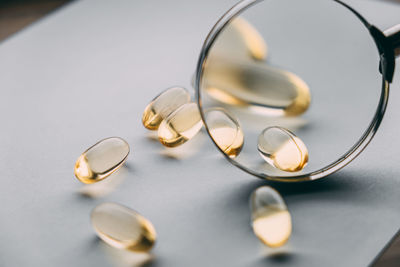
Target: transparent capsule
point(122, 227)
point(163, 105)
point(101, 160)
point(180, 126)
point(255, 84)
point(282, 149)
point(225, 131)
point(271, 219)
point(240, 39)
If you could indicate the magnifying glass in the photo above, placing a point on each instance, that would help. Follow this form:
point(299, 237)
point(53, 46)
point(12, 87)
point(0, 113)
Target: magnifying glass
point(294, 90)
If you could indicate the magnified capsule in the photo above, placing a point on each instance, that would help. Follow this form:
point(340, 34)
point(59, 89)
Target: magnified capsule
point(255, 84)
point(122, 227)
point(180, 126)
point(101, 160)
point(282, 149)
point(271, 219)
point(163, 105)
point(226, 131)
point(240, 38)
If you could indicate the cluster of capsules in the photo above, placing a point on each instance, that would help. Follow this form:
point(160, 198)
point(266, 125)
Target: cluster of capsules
point(177, 119)
point(239, 78)
point(124, 228)
point(172, 113)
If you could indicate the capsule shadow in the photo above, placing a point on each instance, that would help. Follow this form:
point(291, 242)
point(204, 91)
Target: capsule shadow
point(279, 256)
point(152, 136)
point(184, 151)
point(106, 186)
point(122, 257)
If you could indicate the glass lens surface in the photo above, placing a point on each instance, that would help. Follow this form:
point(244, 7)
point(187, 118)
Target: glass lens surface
point(300, 77)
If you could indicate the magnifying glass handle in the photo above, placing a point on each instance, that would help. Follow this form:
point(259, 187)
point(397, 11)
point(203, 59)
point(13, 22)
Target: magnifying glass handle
point(393, 35)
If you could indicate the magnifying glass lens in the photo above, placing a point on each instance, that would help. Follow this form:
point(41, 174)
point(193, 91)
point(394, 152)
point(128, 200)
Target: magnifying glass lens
point(298, 79)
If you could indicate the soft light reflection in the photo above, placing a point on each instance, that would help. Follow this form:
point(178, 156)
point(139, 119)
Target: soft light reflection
point(266, 111)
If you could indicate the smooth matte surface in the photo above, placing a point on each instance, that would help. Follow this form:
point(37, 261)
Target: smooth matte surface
point(86, 73)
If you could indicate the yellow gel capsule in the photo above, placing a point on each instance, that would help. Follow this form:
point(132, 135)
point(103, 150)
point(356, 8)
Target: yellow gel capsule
point(240, 38)
point(271, 219)
point(101, 160)
point(282, 149)
point(122, 227)
point(255, 84)
point(225, 131)
point(163, 105)
point(180, 126)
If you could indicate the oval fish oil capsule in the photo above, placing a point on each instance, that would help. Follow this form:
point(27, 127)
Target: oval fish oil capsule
point(163, 105)
point(256, 85)
point(225, 131)
point(282, 149)
point(101, 160)
point(180, 126)
point(122, 227)
point(271, 219)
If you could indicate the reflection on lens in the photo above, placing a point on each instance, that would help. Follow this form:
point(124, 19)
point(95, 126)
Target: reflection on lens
point(242, 39)
point(307, 59)
point(282, 149)
point(244, 83)
point(225, 131)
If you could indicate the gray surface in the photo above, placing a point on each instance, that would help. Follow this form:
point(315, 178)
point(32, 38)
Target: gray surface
point(87, 72)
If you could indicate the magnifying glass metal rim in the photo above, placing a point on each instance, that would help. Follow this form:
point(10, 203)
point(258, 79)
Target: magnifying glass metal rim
point(387, 48)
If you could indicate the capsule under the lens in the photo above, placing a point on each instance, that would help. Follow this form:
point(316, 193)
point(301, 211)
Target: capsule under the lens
point(255, 84)
point(225, 131)
point(282, 149)
point(240, 39)
point(180, 126)
point(271, 220)
point(163, 105)
point(101, 160)
point(122, 227)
